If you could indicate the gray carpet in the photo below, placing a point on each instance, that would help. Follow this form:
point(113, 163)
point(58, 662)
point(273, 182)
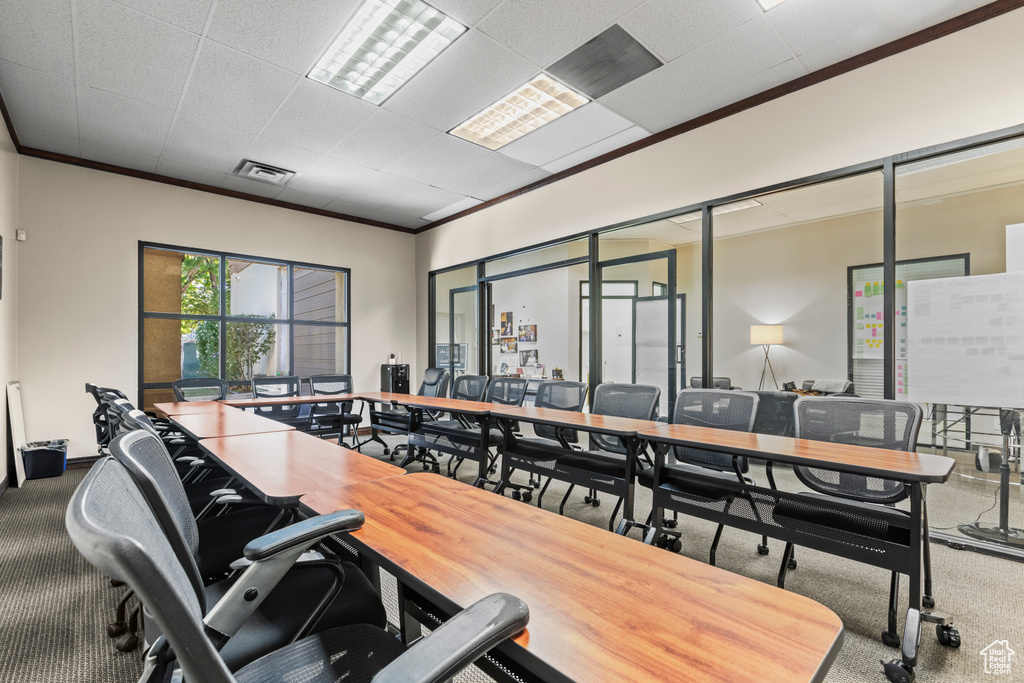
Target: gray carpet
point(55, 607)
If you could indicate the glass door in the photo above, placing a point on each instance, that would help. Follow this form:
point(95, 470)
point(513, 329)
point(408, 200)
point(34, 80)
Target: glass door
point(639, 334)
point(460, 355)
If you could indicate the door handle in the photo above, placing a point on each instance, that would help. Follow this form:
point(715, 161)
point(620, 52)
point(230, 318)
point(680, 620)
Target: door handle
point(679, 353)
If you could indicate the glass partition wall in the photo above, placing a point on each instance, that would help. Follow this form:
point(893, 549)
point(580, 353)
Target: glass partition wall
point(962, 213)
point(456, 347)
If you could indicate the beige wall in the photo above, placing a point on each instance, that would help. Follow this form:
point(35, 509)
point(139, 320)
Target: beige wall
point(9, 292)
point(961, 85)
point(79, 268)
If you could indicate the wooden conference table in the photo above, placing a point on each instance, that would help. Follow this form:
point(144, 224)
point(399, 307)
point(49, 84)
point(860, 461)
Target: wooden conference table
point(225, 423)
point(602, 607)
point(191, 407)
point(783, 515)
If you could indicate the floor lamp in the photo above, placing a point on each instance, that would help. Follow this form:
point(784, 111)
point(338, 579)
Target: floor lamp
point(766, 336)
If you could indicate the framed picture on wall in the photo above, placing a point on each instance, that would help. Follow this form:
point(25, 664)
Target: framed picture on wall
point(527, 333)
point(528, 357)
point(508, 345)
point(496, 336)
point(506, 325)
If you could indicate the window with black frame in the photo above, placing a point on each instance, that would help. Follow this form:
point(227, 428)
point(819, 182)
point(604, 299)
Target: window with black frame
point(212, 314)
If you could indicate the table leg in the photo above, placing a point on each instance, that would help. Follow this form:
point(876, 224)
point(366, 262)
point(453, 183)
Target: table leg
point(485, 431)
point(411, 629)
point(912, 629)
point(628, 521)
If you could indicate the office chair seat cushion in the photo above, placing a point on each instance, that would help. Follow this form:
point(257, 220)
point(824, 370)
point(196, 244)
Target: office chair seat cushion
point(823, 514)
point(538, 449)
point(353, 654)
point(494, 437)
point(284, 611)
point(222, 538)
point(590, 461)
point(682, 471)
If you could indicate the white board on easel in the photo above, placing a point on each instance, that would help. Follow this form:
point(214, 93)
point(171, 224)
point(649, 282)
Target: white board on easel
point(966, 340)
point(17, 422)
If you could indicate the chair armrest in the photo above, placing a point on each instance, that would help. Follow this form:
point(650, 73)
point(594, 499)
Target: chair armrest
point(272, 555)
point(306, 532)
point(459, 642)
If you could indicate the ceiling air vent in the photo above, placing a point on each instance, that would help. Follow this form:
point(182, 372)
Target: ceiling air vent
point(264, 173)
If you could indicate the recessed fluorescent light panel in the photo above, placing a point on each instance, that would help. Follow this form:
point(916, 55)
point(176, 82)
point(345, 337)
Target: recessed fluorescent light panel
point(384, 45)
point(717, 211)
point(768, 4)
point(540, 101)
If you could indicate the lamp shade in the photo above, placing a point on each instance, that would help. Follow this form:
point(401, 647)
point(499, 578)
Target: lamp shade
point(766, 334)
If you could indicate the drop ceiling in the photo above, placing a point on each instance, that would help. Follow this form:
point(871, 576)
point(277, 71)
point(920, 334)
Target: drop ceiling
point(186, 89)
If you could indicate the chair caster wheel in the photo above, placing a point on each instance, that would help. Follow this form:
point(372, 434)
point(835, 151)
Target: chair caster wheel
point(387, 451)
point(437, 469)
point(117, 628)
point(792, 563)
point(426, 466)
point(947, 635)
point(516, 495)
point(928, 601)
point(126, 643)
point(670, 523)
point(535, 484)
point(890, 639)
point(527, 496)
point(593, 501)
point(116, 584)
point(763, 549)
point(898, 672)
point(669, 543)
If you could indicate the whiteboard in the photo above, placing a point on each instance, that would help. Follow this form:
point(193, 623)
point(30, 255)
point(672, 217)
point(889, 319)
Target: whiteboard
point(966, 340)
point(17, 419)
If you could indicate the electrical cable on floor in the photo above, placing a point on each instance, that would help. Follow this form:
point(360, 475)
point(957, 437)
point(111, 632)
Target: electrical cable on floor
point(995, 501)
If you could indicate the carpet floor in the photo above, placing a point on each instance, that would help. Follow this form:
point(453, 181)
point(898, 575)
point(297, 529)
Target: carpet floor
point(54, 607)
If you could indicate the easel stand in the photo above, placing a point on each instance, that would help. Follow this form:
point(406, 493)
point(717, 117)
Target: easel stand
point(1003, 534)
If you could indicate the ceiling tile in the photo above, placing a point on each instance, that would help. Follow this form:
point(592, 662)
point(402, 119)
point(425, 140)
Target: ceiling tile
point(316, 117)
point(330, 177)
point(37, 34)
point(452, 209)
point(48, 141)
point(667, 96)
point(809, 25)
point(118, 156)
point(234, 89)
point(294, 196)
point(274, 153)
point(129, 53)
point(542, 31)
point(513, 183)
point(190, 173)
point(438, 157)
point(597, 149)
point(467, 12)
point(114, 121)
point(589, 124)
point(671, 28)
point(472, 179)
point(187, 14)
point(464, 79)
point(389, 190)
point(38, 99)
point(207, 145)
point(382, 139)
point(253, 187)
point(289, 34)
point(407, 218)
point(354, 206)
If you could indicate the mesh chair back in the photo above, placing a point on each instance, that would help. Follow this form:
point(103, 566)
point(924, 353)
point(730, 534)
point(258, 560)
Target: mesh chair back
point(718, 409)
point(637, 401)
point(469, 387)
point(508, 391)
point(330, 384)
point(110, 522)
point(135, 420)
point(775, 413)
point(716, 382)
point(288, 385)
point(200, 389)
point(435, 383)
point(562, 395)
point(875, 423)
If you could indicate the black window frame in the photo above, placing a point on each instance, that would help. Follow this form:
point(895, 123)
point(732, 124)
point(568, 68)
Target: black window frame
point(223, 318)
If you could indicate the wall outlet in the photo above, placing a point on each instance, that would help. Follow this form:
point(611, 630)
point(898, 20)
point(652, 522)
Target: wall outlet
point(20, 235)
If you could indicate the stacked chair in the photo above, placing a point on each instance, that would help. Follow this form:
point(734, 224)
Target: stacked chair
point(264, 625)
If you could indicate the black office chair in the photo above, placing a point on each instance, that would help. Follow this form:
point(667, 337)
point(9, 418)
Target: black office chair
point(318, 592)
point(536, 455)
point(709, 478)
point(605, 467)
point(395, 419)
point(200, 389)
point(509, 391)
point(775, 413)
point(450, 436)
point(852, 508)
point(104, 430)
point(296, 415)
point(113, 527)
point(716, 383)
point(334, 417)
